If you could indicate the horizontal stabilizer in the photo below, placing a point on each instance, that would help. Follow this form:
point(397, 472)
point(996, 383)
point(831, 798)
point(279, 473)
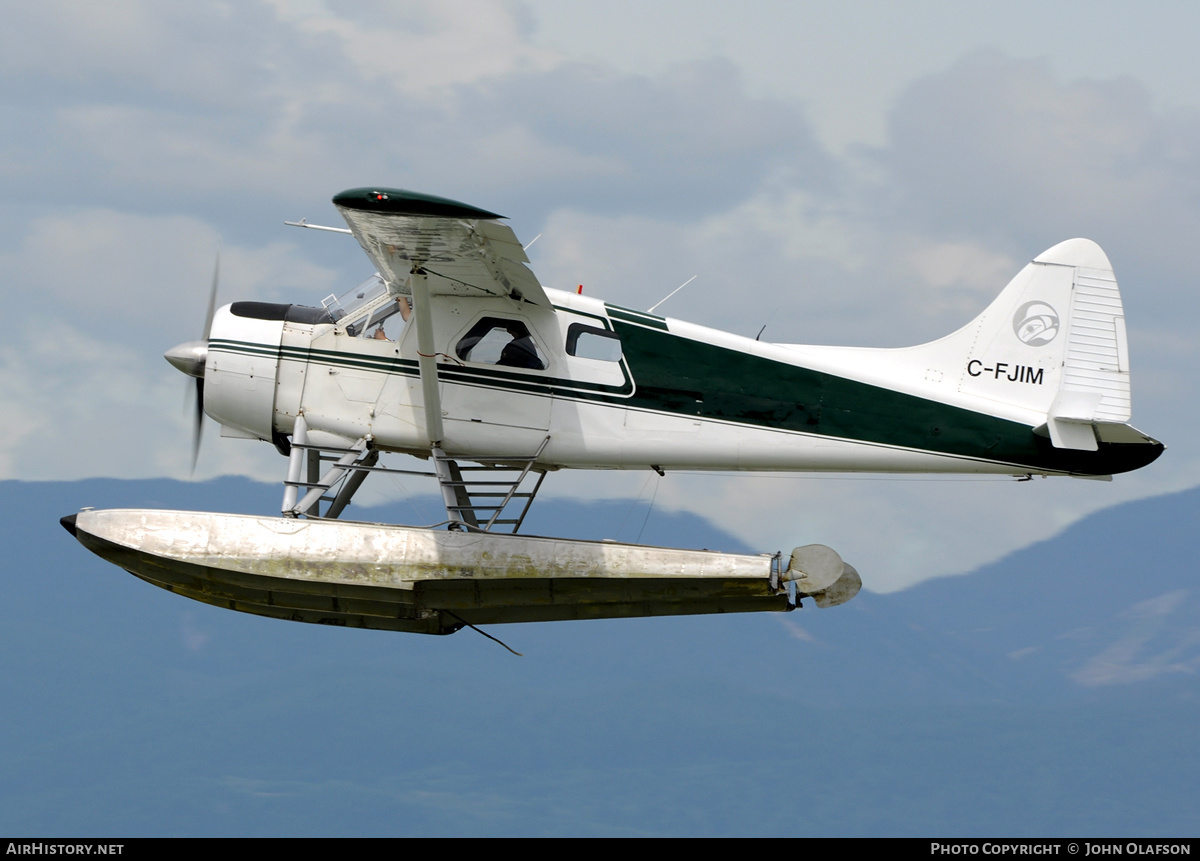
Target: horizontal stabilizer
point(1083, 435)
point(1075, 435)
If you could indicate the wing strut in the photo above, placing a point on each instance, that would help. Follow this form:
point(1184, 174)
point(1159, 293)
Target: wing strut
point(455, 495)
point(427, 356)
point(348, 471)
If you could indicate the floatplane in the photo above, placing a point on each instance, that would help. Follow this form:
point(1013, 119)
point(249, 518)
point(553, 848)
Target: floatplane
point(454, 353)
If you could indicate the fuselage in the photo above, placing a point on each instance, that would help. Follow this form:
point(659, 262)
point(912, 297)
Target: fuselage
point(614, 388)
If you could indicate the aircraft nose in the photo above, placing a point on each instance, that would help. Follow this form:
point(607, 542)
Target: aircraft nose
point(189, 357)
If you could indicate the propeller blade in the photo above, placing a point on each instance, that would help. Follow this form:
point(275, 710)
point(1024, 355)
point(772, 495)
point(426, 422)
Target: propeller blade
point(212, 296)
point(198, 425)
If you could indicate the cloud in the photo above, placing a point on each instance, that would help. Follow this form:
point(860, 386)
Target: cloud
point(100, 408)
point(680, 145)
point(95, 296)
point(813, 271)
point(145, 277)
point(93, 403)
point(1000, 149)
point(271, 103)
point(213, 53)
point(424, 50)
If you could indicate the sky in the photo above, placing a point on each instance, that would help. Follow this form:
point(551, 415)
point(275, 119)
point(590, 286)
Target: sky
point(847, 173)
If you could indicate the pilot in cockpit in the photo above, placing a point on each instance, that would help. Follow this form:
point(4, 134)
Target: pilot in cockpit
point(520, 352)
point(405, 313)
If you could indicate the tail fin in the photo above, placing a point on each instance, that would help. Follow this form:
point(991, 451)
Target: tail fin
point(1050, 350)
point(1052, 342)
point(1059, 327)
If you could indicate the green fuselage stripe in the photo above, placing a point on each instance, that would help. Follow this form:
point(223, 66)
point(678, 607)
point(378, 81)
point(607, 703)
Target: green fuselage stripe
point(685, 377)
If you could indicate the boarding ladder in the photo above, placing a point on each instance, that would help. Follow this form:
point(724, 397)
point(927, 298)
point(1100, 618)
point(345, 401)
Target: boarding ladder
point(477, 496)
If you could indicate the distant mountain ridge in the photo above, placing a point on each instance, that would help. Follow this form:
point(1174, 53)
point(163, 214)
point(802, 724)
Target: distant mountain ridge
point(1111, 600)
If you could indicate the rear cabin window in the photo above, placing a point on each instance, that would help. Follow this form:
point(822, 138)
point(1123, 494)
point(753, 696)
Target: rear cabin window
point(496, 341)
point(591, 342)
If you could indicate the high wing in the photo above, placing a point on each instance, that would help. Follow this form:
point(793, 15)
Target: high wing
point(425, 246)
point(464, 250)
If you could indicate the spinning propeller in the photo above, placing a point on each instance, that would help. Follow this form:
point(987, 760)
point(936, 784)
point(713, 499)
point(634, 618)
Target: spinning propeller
point(190, 358)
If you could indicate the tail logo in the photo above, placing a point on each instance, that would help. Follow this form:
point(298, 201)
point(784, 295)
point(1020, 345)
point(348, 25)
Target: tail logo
point(1036, 323)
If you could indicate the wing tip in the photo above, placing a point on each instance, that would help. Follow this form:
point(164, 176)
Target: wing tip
point(399, 201)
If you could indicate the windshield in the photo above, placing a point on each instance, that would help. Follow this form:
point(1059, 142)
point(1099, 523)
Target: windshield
point(348, 303)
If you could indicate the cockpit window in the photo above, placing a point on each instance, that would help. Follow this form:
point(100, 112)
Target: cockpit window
point(362, 312)
point(496, 341)
point(371, 324)
point(362, 295)
point(592, 342)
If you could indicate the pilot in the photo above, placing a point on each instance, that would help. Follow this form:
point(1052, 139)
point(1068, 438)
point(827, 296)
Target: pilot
point(521, 352)
point(405, 310)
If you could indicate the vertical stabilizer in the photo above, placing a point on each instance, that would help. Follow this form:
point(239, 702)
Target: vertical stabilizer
point(1054, 341)
point(1050, 351)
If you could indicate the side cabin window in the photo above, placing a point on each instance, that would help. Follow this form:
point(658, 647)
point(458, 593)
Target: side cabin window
point(592, 342)
point(496, 341)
